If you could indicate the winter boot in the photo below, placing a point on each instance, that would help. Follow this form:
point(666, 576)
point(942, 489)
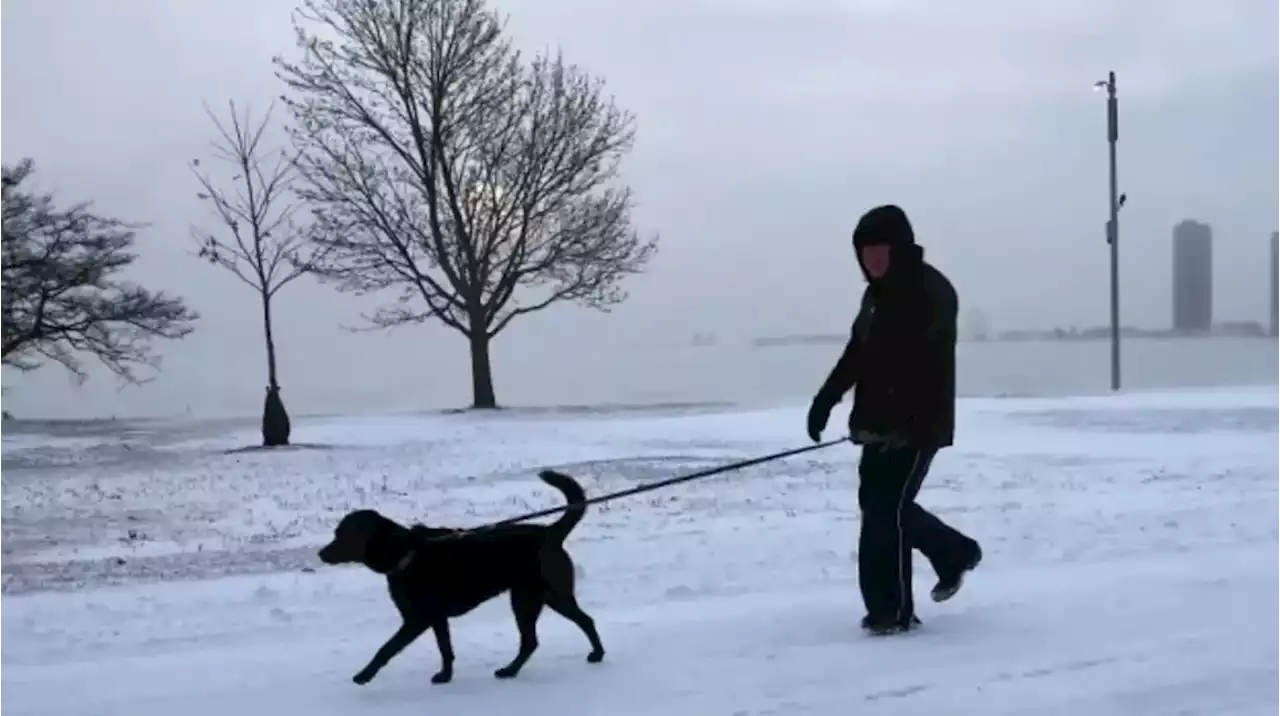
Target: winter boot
point(949, 584)
point(885, 627)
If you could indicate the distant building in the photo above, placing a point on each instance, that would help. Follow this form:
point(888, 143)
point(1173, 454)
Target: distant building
point(1192, 277)
point(1275, 283)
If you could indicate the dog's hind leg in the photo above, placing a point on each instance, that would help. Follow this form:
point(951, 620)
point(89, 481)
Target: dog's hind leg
point(567, 606)
point(526, 604)
point(558, 582)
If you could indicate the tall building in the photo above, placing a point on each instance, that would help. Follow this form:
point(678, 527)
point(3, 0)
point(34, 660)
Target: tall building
point(1192, 277)
point(1275, 283)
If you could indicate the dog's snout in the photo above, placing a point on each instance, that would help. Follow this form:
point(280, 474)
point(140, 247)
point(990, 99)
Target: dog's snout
point(326, 554)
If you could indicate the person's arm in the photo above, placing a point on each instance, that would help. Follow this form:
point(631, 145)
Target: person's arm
point(845, 373)
point(934, 349)
point(943, 309)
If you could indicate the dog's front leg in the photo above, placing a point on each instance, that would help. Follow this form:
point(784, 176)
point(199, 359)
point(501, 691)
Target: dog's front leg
point(403, 637)
point(445, 643)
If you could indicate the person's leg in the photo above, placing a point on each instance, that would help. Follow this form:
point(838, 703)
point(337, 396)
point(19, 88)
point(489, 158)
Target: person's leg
point(951, 552)
point(889, 479)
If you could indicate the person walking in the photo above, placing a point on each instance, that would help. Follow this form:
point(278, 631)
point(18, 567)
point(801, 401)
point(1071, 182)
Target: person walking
point(900, 363)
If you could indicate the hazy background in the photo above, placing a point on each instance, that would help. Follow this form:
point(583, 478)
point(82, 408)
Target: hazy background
point(766, 128)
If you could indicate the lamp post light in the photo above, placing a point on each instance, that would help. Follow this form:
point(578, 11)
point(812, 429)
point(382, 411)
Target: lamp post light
point(1113, 222)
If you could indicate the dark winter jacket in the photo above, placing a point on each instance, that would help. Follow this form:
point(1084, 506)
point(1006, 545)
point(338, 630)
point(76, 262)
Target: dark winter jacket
point(901, 354)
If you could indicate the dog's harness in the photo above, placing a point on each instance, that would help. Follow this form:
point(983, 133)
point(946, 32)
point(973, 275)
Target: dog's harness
point(404, 562)
point(412, 554)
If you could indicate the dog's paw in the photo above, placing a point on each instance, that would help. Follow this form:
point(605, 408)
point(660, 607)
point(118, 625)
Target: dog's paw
point(442, 677)
point(364, 677)
point(595, 657)
point(506, 672)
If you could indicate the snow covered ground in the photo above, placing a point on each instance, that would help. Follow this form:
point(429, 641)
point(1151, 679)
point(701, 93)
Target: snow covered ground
point(1131, 568)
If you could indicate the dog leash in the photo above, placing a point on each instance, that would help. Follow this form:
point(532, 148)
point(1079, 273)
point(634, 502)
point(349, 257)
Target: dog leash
point(647, 487)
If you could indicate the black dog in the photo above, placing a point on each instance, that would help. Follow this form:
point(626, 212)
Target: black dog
point(435, 574)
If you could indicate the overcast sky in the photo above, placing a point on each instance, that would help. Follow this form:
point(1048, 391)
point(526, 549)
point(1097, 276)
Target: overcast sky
point(766, 128)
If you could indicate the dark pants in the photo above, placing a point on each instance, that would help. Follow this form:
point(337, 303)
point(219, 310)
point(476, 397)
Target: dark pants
point(893, 524)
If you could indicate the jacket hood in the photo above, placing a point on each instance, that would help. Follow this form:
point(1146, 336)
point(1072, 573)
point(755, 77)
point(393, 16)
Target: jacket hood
point(887, 224)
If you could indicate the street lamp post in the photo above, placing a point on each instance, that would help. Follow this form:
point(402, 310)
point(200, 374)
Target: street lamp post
point(1113, 223)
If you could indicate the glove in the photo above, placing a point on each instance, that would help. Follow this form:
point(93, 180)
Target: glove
point(819, 413)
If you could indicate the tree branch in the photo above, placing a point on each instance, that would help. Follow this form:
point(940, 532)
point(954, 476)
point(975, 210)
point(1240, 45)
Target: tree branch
point(263, 245)
point(61, 298)
point(440, 162)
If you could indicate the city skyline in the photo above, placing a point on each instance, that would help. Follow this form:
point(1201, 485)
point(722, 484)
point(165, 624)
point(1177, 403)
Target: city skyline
point(1193, 285)
point(765, 129)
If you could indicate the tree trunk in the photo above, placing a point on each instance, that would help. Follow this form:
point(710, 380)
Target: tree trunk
point(275, 419)
point(482, 396)
point(271, 342)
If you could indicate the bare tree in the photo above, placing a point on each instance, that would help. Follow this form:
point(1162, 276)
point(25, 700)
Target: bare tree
point(261, 243)
point(479, 185)
point(62, 295)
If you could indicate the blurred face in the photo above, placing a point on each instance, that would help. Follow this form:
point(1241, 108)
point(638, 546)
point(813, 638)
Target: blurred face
point(875, 259)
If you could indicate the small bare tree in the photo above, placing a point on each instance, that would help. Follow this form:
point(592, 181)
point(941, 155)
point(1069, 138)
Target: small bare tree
point(63, 297)
point(260, 243)
point(480, 185)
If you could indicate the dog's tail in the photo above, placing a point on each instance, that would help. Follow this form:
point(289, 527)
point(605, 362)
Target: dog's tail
point(573, 494)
